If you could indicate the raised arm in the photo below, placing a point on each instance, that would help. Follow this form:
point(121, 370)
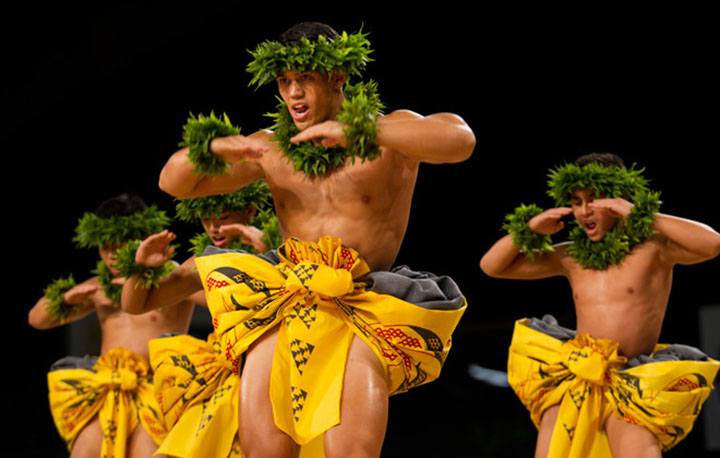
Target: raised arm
point(179, 285)
point(179, 179)
point(504, 259)
point(79, 297)
point(688, 242)
point(438, 138)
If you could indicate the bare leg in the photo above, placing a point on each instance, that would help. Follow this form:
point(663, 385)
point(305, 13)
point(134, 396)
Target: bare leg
point(364, 409)
point(89, 442)
point(545, 432)
point(259, 437)
point(628, 440)
point(140, 444)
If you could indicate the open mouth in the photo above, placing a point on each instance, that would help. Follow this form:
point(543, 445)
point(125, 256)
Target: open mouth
point(590, 227)
point(219, 241)
point(299, 111)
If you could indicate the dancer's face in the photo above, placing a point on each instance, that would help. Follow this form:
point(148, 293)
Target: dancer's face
point(309, 96)
point(107, 254)
point(212, 226)
point(596, 222)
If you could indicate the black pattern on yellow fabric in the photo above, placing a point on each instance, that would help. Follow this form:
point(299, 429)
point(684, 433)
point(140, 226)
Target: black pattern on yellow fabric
point(118, 389)
point(589, 380)
point(317, 293)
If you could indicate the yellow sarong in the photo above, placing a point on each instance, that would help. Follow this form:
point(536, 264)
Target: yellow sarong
point(198, 397)
point(590, 381)
point(317, 294)
point(118, 389)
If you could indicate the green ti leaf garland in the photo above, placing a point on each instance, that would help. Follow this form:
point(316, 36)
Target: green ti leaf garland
point(198, 132)
point(359, 112)
point(151, 276)
point(56, 306)
point(530, 243)
point(113, 292)
point(618, 242)
point(255, 195)
point(94, 231)
point(348, 52)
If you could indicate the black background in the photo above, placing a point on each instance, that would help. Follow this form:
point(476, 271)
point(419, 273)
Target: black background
point(94, 98)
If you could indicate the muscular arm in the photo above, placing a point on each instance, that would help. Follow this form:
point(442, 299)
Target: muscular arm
point(179, 179)
point(688, 242)
point(438, 138)
point(179, 285)
point(39, 318)
point(504, 260)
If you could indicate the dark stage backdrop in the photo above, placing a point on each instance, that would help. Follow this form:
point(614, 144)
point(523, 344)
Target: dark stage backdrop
point(94, 100)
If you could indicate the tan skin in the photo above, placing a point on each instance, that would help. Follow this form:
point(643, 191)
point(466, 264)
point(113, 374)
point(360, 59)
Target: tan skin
point(624, 302)
point(118, 329)
point(183, 284)
point(366, 204)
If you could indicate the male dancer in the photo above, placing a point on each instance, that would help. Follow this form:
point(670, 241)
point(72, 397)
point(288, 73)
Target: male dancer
point(611, 383)
point(336, 169)
point(97, 403)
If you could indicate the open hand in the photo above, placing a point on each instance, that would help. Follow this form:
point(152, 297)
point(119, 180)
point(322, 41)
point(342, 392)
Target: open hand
point(328, 134)
point(80, 294)
point(549, 222)
point(237, 148)
point(617, 207)
point(155, 250)
point(249, 235)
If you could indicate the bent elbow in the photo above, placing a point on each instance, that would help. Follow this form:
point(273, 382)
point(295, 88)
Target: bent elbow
point(464, 144)
point(487, 268)
point(35, 321)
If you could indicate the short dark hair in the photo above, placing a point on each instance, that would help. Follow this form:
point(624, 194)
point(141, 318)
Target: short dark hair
point(606, 159)
point(124, 204)
point(309, 30)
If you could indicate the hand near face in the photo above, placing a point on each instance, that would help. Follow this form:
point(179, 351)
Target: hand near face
point(80, 295)
point(549, 222)
point(249, 235)
point(617, 207)
point(327, 134)
point(155, 250)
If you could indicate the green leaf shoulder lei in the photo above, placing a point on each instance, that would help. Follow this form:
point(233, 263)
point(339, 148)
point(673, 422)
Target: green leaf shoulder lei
point(530, 243)
point(127, 266)
point(618, 242)
point(359, 113)
point(113, 292)
point(198, 132)
point(56, 306)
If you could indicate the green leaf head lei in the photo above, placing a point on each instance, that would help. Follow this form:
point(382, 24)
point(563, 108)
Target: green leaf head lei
point(255, 195)
point(95, 231)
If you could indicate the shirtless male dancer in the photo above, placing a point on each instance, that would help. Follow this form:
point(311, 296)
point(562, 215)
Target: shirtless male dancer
point(611, 387)
point(342, 178)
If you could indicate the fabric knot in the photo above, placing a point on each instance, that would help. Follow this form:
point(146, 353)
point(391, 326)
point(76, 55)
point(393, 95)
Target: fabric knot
point(123, 379)
point(319, 279)
point(587, 364)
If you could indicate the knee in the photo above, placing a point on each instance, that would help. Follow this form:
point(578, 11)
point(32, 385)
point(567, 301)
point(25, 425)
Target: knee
point(359, 447)
point(259, 446)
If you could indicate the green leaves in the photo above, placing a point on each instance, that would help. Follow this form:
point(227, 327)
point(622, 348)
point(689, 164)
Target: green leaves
point(151, 276)
point(113, 292)
point(93, 231)
point(350, 52)
point(530, 243)
point(617, 243)
point(198, 132)
point(608, 181)
point(256, 194)
point(55, 294)
point(359, 112)
point(268, 223)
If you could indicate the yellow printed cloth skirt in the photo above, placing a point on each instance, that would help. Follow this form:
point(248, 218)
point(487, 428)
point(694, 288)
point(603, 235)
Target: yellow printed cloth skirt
point(663, 392)
point(117, 387)
point(198, 397)
point(322, 294)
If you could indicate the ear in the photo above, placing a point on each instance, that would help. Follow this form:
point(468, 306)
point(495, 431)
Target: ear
point(338, 79)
